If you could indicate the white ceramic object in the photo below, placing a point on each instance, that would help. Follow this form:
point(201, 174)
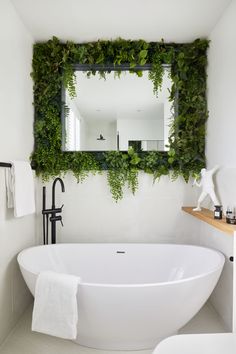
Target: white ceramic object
point(208, 187)
point(131, 295)
point(220, 343)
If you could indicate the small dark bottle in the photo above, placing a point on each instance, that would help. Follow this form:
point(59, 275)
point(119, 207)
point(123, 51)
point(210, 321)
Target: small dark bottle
point(218, 212)
point(229, 213)
point(230, 216)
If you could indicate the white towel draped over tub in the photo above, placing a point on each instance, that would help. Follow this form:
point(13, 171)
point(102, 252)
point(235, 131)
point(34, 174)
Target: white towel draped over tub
point(55, 306)
point(20, 188)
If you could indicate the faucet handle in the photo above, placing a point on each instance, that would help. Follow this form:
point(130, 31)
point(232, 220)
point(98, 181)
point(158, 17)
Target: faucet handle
point(56, 218)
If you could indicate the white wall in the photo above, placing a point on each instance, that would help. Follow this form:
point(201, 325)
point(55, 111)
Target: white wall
point(16, 142)
point(93, 131)
point(152, 215)
point(220, 147)
point(139, 129)
point(221, 86)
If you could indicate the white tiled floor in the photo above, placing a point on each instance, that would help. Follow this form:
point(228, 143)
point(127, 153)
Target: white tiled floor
point(23, 341)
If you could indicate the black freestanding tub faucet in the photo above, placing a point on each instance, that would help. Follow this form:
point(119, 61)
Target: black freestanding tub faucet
point(53, 212)
point(54, 218)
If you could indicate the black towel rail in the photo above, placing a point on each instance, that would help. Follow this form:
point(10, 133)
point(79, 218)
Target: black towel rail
point(9, 165)
point(5, 164)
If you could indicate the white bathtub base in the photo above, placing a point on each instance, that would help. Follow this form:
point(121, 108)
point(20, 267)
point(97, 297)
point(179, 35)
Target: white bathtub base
point(133, 299)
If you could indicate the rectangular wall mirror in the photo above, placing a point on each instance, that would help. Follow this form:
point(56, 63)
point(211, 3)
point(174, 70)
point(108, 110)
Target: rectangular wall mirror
point(117, 112)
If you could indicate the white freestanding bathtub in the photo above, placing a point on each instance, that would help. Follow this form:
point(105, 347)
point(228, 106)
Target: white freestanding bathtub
point(131, 295)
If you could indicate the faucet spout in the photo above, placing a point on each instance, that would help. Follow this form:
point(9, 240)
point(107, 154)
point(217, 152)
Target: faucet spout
point(53, 190)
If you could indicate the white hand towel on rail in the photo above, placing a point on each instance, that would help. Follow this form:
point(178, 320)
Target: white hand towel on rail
point(55, 306)
point(20, 188)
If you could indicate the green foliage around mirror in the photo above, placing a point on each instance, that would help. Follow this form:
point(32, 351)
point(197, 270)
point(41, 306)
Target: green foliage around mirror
point(53, 63)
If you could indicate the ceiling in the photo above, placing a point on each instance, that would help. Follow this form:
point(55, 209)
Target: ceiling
point(129, 97)
point(151, 20)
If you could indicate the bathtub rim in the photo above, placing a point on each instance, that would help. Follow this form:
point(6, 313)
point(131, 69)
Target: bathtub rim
point(125, 285)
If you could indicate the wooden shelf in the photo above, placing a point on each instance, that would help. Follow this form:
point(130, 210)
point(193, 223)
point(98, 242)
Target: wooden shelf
point(208, 216)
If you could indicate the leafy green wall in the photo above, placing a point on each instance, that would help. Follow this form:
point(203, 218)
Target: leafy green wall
point(53, 63)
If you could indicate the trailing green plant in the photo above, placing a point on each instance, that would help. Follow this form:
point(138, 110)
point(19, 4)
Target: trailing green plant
point(53, 67)
point(122, 167)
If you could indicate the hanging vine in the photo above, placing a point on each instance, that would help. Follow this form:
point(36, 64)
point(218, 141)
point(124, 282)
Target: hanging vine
point(53, 67)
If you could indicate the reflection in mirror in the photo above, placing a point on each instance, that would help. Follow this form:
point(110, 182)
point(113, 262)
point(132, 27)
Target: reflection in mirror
point(116, 113)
